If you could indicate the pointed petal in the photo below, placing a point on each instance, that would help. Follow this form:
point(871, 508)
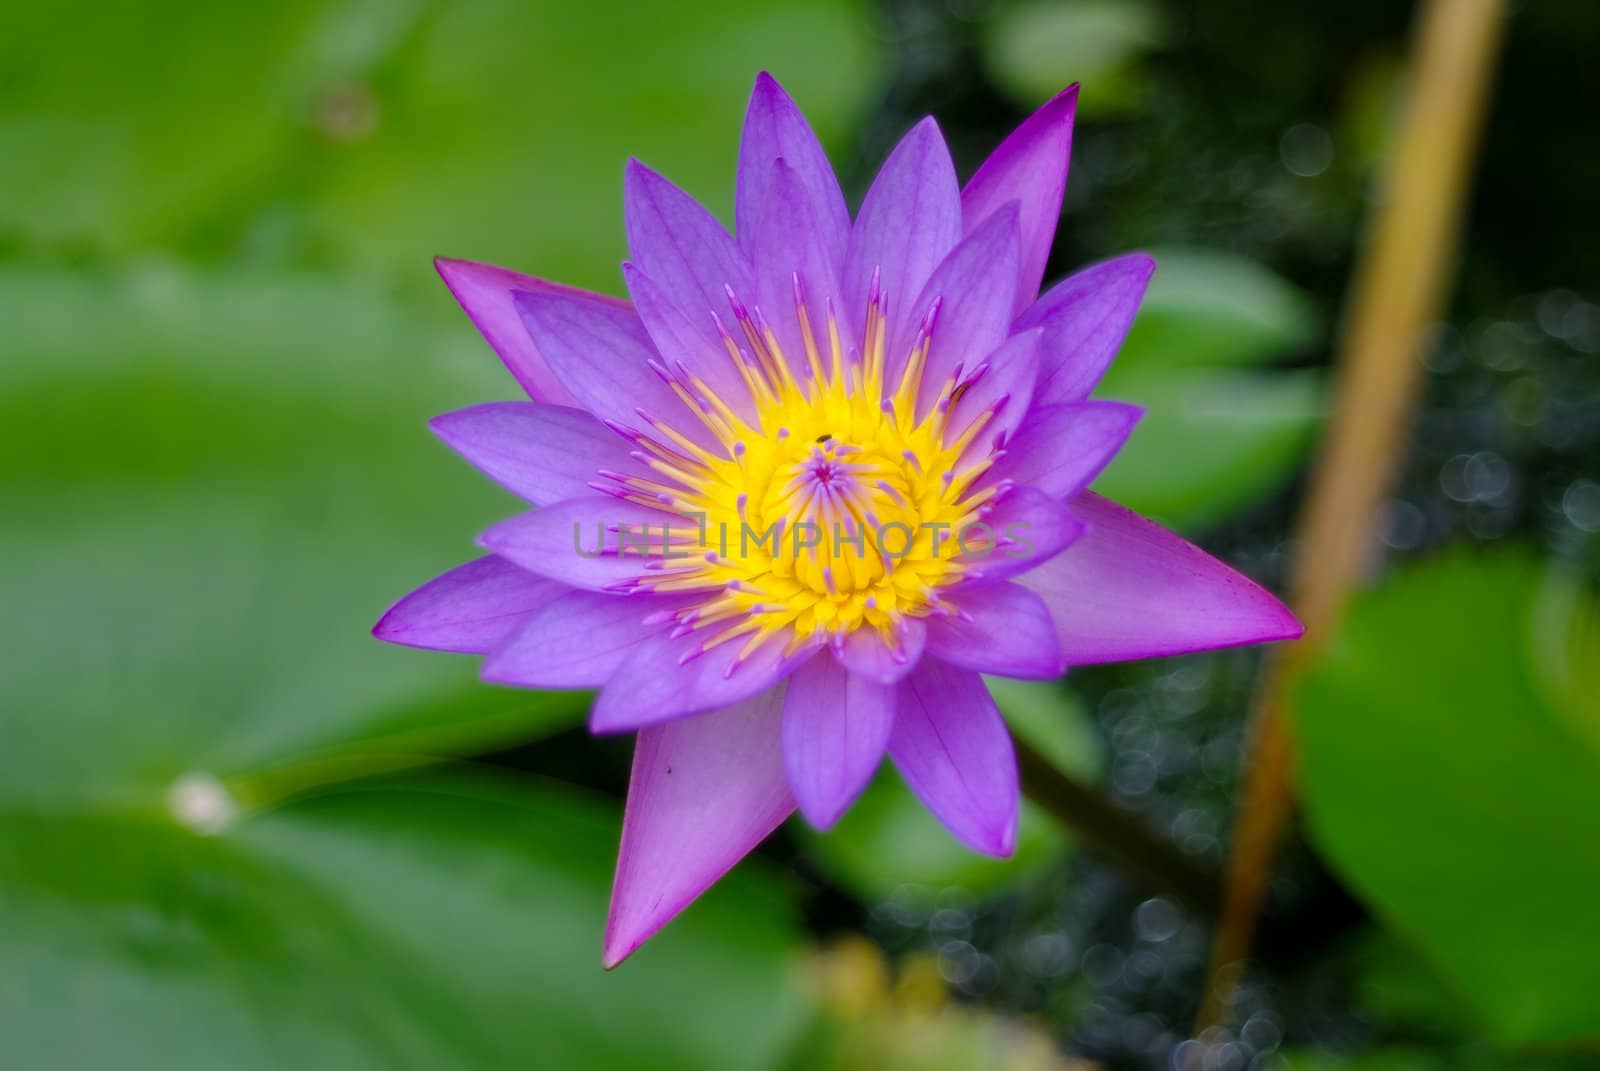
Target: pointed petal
point(790, 216)
point(1005, 384)
point(1025, 527)
point(667, 677)
point(973, 289)
point(952, 747)
point(1029, 167)
point(1060, 449)
point(1085, 317)
point(835, 728)
point(866, 653)
point(602, 353)
point(689, 261)
point(471, 609)
point(484, 292)
point(577, 641)
point(999, 628)
point(705, 791)
point(775, 129)
point(579, 541)
point(545, 453)
point(796, 271)
point(908, 223)
point(680, 245)
point(699, 352)
point(1131, 589)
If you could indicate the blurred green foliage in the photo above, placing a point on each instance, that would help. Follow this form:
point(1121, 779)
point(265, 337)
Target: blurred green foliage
point(216, 475)
point(878, 1017)
point(1033, 49)
point(1420, 1058)
point(1454, 784)
point(375, 134)
point(1220, 431)
point(440, 923)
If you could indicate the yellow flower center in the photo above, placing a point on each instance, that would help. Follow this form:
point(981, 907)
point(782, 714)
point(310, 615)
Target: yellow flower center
point(833, 504)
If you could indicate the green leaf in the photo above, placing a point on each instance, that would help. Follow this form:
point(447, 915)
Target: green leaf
point(1398, 991)
point(1416, 1058)
point(1218, 433)
point(214, 484)
point(1207, 307)
point(214, 487)
point(499, 132)
point(1566, 649)
point(1391, 1059)
point(1211, 443)
point(102, 147)
point(888, 838)
point(444, 923)
point(381, 134)
point(1034, 49)
point(1455, 798)
point(1050, 718)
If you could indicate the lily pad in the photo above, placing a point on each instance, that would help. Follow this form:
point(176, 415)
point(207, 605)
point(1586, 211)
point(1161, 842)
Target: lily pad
point(1457, 794)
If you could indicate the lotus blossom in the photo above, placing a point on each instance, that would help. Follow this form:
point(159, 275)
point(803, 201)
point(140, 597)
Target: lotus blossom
point(817, 477)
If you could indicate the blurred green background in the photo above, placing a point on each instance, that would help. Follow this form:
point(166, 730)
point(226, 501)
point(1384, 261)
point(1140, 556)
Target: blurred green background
point(237, 832)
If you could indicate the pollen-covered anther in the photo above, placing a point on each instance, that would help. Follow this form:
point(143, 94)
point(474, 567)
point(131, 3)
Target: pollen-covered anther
point(836, 505)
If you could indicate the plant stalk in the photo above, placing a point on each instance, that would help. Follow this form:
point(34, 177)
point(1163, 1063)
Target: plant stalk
point(1400, 283)
point(1116, 834)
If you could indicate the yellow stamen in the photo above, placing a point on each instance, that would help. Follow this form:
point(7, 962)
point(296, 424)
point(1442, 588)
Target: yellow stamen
point(835, 507)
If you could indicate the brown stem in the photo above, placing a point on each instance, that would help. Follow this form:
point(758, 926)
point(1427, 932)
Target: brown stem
point(1117, 834)
point(1399, 287)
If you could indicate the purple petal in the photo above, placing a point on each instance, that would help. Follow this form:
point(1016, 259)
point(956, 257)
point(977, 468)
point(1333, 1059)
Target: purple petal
point(1060, 449)
point(1029, 167)
point(705, 791)
point(790, 216)
point(775, 129)
point(835, 728)
point(1028, 526)
point(692, 261)
point(577, 641)
point(951, 745)
point(866, 653)
point(484, 292)
point(601, 352)
point(909, 222)
point(973, 289)
point(1131, 589)
point(999, 628)
point(471, 609)
point(1085, 317)
point(1006, 385)
point(580, 542)
point(681, 246)
point(667, 677)
point(794, 263)
point(679, 343)
point(545, 453)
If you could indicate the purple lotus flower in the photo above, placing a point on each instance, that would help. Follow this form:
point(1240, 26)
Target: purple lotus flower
point(816, 478)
